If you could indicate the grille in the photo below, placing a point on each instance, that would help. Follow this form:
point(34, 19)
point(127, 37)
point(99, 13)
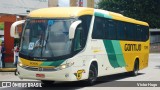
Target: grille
point(38, 68)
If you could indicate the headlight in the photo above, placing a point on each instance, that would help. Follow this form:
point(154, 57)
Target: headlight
point(64, 66)
point(20, 64)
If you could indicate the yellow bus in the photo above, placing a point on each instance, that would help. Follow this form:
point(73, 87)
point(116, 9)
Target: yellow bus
point(79, 43)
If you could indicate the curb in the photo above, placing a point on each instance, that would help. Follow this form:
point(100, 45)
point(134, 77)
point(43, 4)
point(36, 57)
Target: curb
point(7, 69)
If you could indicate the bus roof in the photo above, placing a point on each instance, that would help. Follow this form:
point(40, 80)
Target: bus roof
point(61, 12)
point(117, 16)
point(69, 12)
point(120, 17)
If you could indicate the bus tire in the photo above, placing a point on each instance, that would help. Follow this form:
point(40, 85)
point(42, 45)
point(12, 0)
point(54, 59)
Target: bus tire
point(135, 69)
point(46, 82)
point(92, 76)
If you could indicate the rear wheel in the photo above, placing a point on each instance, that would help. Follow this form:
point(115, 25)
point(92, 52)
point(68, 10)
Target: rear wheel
point(136, 69)
point(92, 75)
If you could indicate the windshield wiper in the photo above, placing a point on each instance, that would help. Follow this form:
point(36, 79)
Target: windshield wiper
point(46, 43)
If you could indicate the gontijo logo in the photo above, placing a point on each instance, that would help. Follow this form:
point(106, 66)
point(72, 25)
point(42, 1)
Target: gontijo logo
point(132, 47)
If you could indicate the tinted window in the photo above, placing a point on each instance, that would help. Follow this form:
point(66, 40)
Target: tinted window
point(145, 33)
point(98, 28)
point(130, 31)
point(138, 33)
point(120, 31)
point(86, 21)
point(110, 29)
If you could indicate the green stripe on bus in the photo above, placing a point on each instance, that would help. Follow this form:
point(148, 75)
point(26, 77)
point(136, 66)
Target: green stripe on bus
point(118, 53)
point(53, 63)
point(102, 15)
point(111, 53)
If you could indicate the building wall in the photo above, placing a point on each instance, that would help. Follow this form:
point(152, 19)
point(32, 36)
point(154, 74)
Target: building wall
point(20, 7)
point(8, 41)
point(154, 36)
point(154, 40)
point(73, 3)
point(90, 3)
point(52, 3)
point(86, 3)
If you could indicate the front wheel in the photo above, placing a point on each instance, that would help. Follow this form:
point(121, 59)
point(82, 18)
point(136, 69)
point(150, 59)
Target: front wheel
point(92, 75)
point(45, 82)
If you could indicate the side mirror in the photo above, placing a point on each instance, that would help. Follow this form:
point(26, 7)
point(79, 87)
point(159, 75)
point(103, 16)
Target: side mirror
point(13, 32)
point(72, 28)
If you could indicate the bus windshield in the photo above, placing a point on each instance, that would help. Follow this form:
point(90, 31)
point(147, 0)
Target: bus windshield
point(46, 38)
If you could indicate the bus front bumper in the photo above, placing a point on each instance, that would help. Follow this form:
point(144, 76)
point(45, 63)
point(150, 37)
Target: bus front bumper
point(68, 74)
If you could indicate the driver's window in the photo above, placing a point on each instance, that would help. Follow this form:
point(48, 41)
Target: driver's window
point(78, 38)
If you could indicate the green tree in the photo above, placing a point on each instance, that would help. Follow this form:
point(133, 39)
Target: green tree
point(145, 10)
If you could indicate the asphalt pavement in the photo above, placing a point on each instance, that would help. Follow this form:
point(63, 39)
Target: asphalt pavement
point(149, 75)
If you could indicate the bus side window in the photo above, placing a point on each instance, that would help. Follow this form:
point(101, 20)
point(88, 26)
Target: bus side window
point(145, 33)
point(111, 30)
point(121, 32)
point(98, 28)
point(130, 29)
point(78, 38)
point(138, 33)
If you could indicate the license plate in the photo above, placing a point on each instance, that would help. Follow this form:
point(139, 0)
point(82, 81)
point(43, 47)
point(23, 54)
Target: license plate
point(40, 75)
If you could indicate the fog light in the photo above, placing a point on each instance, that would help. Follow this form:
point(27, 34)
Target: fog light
point(67, 75)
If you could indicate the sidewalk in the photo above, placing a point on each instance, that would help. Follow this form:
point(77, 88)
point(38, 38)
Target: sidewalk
point(9, 67)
